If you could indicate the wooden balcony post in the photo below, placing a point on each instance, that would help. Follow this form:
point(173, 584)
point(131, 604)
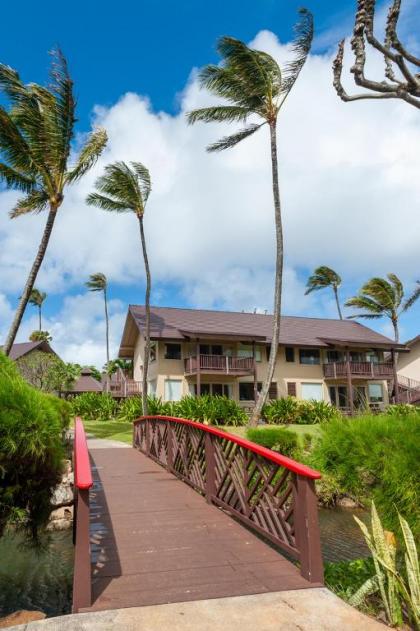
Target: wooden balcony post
point(349, 383)
point(210, 468)
point(198, 368)
point(394, 370)
point(307, 529)
point(255, 372)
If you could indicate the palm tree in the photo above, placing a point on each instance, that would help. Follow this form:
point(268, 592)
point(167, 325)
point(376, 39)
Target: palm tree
point(36, 299)
point(40, 336)
point(124, 189)
point(35, 144)
point(251, 84)
point(98, 282)
point(322, 277)
point(383, 298)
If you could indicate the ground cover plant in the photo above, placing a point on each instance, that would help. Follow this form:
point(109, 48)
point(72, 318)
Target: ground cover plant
point(291, 410)
point(277, 438)
point(31, 450)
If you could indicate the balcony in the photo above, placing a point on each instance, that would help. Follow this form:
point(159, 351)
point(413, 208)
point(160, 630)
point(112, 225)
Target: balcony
point(219, 364)
point(366, 370)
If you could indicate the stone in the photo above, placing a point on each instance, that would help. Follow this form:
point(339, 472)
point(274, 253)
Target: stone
point(21, 617)
point(62, 495)
point(61, 518)
point(67, 467)
point(347, 502)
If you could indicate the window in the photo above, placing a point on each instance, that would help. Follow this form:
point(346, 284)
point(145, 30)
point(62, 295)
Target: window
point(246, 390)
point(172, 351)
point(334, 356)
point(173, 389)
point(373, 357)
point(309, 356)
point(245, 350)
point(291, 388)
point(153, 351)
point(152, 387)
point(375, 393)
point(289, 354)
point(356, 356)
point(220, 389)
point(312, 391)
point(333, 395)
point(211, 349)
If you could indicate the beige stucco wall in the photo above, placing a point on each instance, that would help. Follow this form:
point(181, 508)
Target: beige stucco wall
point(162, 369)
point(409, 363)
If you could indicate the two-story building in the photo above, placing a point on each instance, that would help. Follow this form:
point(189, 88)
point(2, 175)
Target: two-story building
point(218, 352)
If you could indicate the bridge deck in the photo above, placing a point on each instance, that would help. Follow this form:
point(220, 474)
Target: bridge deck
point(155, 540)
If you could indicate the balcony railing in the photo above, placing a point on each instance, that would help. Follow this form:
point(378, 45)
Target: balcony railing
point(219, 364)
point(368, 370)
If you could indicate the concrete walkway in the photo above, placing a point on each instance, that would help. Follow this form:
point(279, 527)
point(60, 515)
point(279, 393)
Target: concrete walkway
point(105, 443)
point(298, 610)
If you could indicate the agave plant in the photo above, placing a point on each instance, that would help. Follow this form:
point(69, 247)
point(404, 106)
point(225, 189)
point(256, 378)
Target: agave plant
point(399, 594)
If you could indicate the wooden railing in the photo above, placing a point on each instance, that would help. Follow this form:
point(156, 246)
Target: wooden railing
point(122, 386)
point(360, 369)
point(219, 363)
point(82, 589)
point(272, 494)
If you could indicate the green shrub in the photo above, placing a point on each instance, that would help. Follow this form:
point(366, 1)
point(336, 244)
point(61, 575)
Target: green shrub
point(375, 456)
point(346, 577)
point(31, 450)
point(63, 409)
point(157, 407)
point(277, 438)
point(282, 411)
point(94, 406)
point(402, 409)
point(129, 409)
point(291, 410)
point(215, 410)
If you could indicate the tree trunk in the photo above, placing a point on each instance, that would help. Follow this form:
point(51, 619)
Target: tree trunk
point(31, 280)
point(337, 301)
point(277, 283)
point(395, 361)
point(40, 317)
point(147, 328)
point(107, 339)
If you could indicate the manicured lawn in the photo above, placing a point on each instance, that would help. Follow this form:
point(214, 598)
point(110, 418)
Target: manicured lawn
point(300, 430)
point(114, 430)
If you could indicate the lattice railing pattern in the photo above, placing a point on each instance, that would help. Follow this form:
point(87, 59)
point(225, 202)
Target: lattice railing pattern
point(276, 500)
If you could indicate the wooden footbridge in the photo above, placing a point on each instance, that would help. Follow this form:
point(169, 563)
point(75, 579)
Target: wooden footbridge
point(190, 513)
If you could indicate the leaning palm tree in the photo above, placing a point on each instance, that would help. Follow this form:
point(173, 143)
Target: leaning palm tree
point(98, 282)
point(125, 188)
point(252, 85)
point(323, 277)
point(35, 145)
point(383, 298)
point(36, 299)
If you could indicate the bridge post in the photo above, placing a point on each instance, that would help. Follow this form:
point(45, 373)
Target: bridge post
point(170, 461)
point(82, 591)
point(210, 468)
point(307, 529)
point(148, 436)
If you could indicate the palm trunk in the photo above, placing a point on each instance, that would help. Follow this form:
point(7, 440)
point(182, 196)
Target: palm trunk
point(40, 317)
point(337, 302)
point(395, 361)
point(107, 339)
point(147, 328)
point(277, 283)
point(31, 280)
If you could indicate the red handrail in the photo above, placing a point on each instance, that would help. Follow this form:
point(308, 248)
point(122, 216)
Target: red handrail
point(82, 470)
point(269, 454)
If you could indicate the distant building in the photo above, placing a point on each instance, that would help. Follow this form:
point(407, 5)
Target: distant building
point(409, 371)
point(85, 383)
point(23, 349)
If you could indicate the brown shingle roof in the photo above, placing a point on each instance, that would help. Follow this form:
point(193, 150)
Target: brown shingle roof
point(173, 323)
point(23, 348)
point(86, 383)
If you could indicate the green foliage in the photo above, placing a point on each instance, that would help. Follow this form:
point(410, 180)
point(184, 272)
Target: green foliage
point(40, 336)
point(130, 409)
point(215, 410)
point(276, 438)
point(402, 409)
point(346, 577)
point(31, 451)
point(374, 456)
point(291, 410)
point(41, 370)
point(399, 593)
point(94, 406)
point(157, 407)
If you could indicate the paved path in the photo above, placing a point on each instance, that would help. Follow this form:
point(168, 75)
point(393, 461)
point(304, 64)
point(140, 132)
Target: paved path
point(155, 540)
point(301, 610)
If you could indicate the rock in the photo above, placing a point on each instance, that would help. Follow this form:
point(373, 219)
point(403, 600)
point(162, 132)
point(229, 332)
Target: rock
point(61, 518)
point(62, 495)
point(21, 617)
point(67, 467)
point(347, 502)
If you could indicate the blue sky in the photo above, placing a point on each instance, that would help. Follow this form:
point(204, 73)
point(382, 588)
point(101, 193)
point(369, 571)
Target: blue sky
point(335, 155)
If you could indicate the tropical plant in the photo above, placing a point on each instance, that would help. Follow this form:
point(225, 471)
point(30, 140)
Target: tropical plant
point(130, 409)
point(251, 83)
point(383, 298)
point(323, 277)
point(399, 593)
point(40, 336)
point(313, 412)
point(279, 439)
point(95, 372)
point(94, 406)
point(98, 282)
point(36, 299)
point(124, 189)
point(281, 411)
point(41, 370)
point(402, 409)
point(65, 375)
point(214, 410)
point(401, 80)
point(113, 365)
point(31, 451)
point(290, 410)
point(35, 145)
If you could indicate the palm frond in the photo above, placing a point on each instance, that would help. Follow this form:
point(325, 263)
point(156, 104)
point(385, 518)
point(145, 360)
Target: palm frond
point(365, 302)
point(366, 316)
point(16, 180)
point(228, 84)
point(106, 203)
point(34, 202)
point(398, 288)
point(413, 298)
point(230, 141)
point(11, 84)
point(322, 277)
point(65, 106)
point(144, 179)
point(97, 282)
point(13, 146)
point(88, 156)
point(218, 114)
point(37, 297)
point(301, 46)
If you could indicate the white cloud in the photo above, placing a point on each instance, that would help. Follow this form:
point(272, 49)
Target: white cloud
point(350, 192)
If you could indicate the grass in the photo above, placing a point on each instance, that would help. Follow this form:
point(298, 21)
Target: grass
point(112, 430)
point(300, 430)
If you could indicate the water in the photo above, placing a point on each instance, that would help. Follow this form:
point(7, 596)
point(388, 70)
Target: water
point(341, 537)
point(36, 579)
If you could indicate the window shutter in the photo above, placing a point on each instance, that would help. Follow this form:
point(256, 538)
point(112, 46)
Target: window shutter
point(291, 388)
point(272, 392)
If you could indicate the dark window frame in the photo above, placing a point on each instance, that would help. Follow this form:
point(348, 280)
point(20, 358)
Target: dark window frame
point(315, 353)
point(172, 345)
point(289, 354)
